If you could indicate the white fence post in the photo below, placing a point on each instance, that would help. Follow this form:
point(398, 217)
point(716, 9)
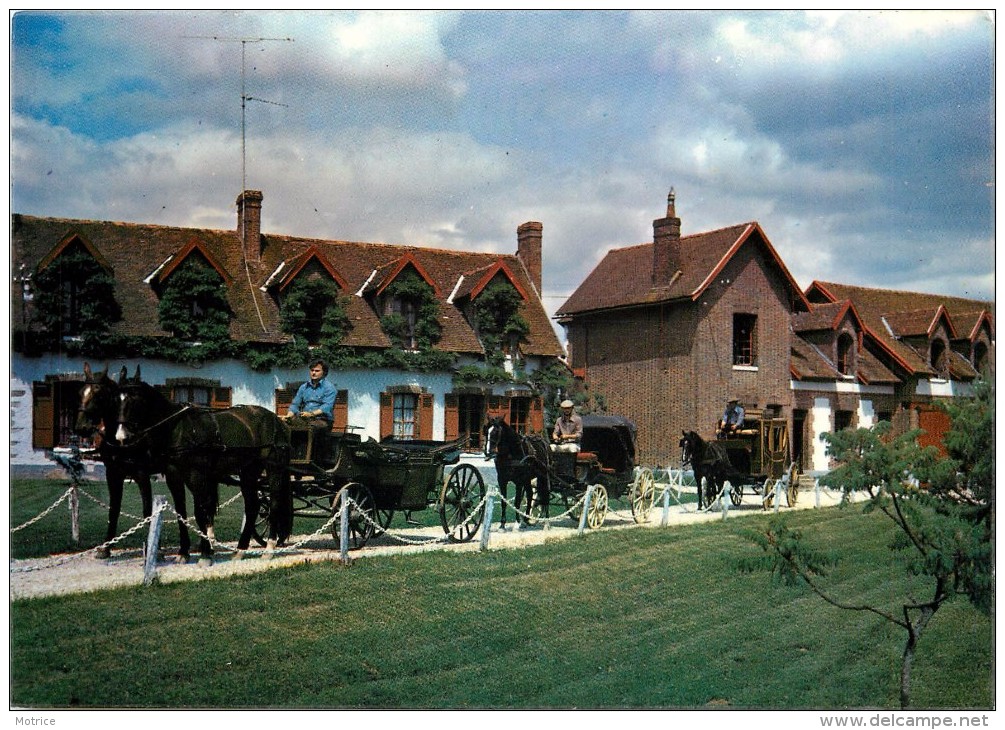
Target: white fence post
point(727, 489)
point(816, 491)
point(586, 508)
point(487, 522)
point(666, 504)
point(154, 540)
point(778, 494)
point(74, 513)
point(344, 528)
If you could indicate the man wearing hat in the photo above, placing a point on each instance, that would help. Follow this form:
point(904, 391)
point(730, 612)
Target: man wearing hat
point(732, 418)
point(568, 429)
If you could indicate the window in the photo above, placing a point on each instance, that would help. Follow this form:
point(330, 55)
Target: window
point(405, 408)
point(197, 391)
point(744, 340)
point(470, 417)
point(403, 315)
point(846, 354)
point(519, 413)
point(842, 420)
point(939, 358)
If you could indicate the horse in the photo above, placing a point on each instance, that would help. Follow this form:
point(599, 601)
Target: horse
point(708, 460)
point(97, 418)
point(201, 447)
point(516, 461)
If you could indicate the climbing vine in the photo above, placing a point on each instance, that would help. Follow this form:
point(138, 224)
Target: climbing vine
point(74, 297)
point(313, 312)
point(411, 290)
point(497, 318)
point(193, 306)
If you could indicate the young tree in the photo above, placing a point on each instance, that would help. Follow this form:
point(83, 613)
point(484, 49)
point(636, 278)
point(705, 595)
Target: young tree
point(942, 509)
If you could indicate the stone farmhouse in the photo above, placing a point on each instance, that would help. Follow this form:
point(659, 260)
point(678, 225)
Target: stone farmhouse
point(666, 331)
point(423, 343)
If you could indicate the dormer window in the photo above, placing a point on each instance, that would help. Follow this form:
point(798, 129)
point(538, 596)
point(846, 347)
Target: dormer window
point(410, 311)
point(939, 359)
point(193, 303)
point(982, 362)
point(401, 317)
point(846, 354)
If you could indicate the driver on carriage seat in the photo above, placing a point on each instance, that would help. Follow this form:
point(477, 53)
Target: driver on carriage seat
point(568, 431)
point(732, 419)
point(314, 403)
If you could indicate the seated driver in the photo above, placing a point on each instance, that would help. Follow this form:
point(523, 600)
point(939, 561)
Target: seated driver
point(732, 419)
point(314, 403)
point(568, 431)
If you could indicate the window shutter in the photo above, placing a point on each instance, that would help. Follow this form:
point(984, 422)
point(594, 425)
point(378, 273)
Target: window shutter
point(341, 411)
point(220, 398)
point(426, 416)
point(43, 416)
point(536, 419)
point(386, 415)
point(451, 417)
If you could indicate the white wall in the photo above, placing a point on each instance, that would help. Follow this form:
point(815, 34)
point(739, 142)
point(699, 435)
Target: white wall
point(248, 387)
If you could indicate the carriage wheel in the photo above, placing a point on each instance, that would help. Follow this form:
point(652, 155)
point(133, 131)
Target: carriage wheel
point(643, 495)
point(261, 531)
point(736, 494)
point(463, 492)
point(598, 507)
point(384, 517)
point(362, 514)
point(793, 491)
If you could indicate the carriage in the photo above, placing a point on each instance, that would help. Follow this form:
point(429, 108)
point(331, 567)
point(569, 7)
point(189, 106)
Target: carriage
point(754, 457)
point(380, 478)
point(606, 461)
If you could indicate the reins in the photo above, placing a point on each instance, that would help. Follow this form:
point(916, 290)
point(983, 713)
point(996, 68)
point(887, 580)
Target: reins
point(146, 432)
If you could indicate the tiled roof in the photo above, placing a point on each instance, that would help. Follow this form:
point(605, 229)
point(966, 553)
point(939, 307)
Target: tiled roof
point(623, 277)
point(134, 251)
point(889, 314)
point(809, 363)
point(822, 316)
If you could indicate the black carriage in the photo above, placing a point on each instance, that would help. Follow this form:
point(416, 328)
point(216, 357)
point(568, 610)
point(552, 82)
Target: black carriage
point(759, 452)
point(382, 478)
point(606, 462)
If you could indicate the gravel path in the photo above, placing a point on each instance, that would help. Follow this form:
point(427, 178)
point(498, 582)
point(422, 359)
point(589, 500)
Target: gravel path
point(80, 573)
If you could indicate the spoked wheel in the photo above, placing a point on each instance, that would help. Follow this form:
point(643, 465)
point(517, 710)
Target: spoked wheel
point(384, 517)
point(597, 512)
point(643, 495)
point(362, 514)
point(261, 531)
point(736, 494)
point(793, 491)
point(463, 492)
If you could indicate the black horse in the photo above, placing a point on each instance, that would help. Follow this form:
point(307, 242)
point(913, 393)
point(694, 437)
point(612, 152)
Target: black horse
point(516, 460)
point(708, 460)
point(97, 418)
point(200, 447)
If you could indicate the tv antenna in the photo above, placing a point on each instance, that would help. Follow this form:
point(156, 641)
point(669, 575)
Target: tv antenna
point(244, 158)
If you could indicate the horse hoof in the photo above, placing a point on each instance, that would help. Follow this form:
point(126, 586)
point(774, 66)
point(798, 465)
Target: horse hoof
point(205, 562)
point(103, 553)
point(238, 555)
point(181, 559)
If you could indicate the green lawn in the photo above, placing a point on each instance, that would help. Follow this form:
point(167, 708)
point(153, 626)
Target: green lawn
point(615, 619)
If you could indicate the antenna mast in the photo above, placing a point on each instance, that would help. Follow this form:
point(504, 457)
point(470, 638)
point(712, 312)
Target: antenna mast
point(244, 164)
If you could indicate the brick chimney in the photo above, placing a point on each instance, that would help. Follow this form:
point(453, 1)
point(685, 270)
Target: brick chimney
point(666, 252)
point(528, 250)
point(249, 224)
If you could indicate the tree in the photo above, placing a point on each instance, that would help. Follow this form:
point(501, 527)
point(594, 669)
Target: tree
point(942, 509)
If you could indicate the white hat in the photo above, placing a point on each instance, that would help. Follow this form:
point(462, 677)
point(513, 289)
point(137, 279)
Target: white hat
point(566, 404)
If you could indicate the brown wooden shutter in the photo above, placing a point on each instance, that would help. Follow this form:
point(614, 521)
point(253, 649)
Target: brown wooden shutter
point(219, 398)
point(535, 420)
point(43, 416)
point(425, 416)
point(451, 417)
point(386, 415)
point(341, 421)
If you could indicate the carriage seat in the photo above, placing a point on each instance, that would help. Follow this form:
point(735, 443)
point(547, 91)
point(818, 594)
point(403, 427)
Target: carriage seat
point(585, 456)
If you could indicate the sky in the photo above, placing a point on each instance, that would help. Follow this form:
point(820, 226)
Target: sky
point(862, 142)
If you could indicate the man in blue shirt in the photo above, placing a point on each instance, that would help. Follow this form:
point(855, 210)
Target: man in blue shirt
point(732, 419)
point(315, 399)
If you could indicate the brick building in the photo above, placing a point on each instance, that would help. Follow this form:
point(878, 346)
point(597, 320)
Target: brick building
point(667, 331)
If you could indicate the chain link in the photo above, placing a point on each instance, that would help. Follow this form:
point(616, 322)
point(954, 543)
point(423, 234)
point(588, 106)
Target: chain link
point(42, 514)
